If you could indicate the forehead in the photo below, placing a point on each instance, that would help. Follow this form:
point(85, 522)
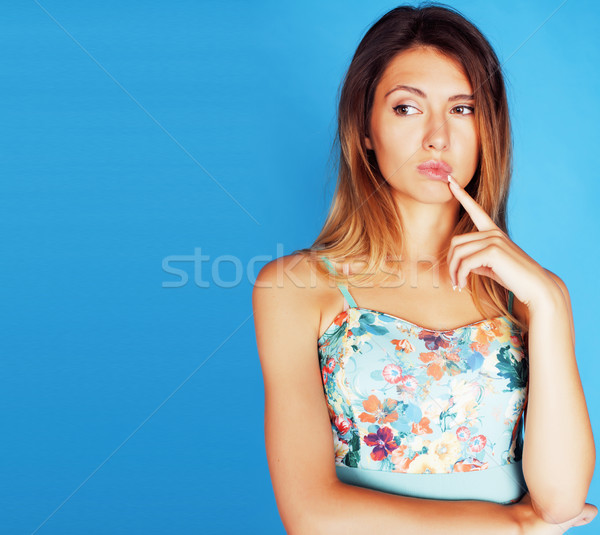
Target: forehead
point(427, 69)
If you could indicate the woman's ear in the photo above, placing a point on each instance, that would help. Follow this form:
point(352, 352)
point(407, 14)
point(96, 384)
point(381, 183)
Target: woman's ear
point(368, 143)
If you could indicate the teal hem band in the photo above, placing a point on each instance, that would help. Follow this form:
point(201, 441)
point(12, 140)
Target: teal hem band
point(502, 484)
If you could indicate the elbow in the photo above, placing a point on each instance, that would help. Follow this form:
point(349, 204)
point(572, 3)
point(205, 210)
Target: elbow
point(559, 501)
point(564, 504)
point(559, 512)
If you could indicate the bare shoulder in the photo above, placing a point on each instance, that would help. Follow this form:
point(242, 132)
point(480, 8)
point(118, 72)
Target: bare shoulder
point(289, 271)
point(289, 285)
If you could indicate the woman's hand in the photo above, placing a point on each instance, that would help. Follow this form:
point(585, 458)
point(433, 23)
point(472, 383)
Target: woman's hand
point(532, 524)
point(491, 252)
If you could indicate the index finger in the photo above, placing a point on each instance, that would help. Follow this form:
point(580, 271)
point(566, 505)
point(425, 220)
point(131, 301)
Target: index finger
point(479, 216)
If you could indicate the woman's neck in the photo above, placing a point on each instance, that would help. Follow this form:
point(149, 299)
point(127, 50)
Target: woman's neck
point(426, 231)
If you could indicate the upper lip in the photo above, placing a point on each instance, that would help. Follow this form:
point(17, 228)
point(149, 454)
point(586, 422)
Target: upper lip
point(436, 164)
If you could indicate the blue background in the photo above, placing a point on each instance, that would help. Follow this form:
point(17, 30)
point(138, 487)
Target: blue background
point(140, 134)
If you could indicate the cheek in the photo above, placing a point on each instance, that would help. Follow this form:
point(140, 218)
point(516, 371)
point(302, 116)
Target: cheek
point(470, 145)
point(392, 156)
point(393, 142)
point(475, 139)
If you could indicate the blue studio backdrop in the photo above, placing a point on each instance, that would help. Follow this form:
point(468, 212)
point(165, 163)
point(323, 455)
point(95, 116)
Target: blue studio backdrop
point(155, 155)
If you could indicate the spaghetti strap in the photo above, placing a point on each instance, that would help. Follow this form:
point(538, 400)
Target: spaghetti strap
point(510, 301)
point(343, 288)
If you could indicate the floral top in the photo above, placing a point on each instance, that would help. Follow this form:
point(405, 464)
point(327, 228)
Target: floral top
point(402, 398)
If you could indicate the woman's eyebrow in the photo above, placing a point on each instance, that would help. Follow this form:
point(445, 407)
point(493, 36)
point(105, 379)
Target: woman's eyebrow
point(421, 94)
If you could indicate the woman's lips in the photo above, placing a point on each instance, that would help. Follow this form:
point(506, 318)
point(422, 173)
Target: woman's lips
point(436, 164)
point(435, 174)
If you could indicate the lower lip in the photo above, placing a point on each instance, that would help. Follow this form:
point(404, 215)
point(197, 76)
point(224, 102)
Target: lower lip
point(435, 174)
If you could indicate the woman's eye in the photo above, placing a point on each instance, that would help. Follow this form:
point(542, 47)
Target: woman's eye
point(462, 110)
point(470, 108)
point(400, 107)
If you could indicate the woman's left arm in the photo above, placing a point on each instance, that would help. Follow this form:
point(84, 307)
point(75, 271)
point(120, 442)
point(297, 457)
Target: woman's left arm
point(558, 452)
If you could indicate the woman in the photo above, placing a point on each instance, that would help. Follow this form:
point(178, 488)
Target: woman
point(426, 414)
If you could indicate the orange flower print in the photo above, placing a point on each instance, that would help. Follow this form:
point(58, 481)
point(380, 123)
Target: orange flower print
point(436, 364)
point(328, 369)
point(422, 428)
point(488, 331)
point(426, 463)
point(480, 348)
point(472, 465)
point(406, 388)
point(516, 341)
point(341, 318)
point(453, 356)
point(403, 346)
point(399, 460)
point(378, 412)
point(477, 443)
point(343, 424)
point(410, 383)
point(392, 373)
point(383, 441)
point(463, 434)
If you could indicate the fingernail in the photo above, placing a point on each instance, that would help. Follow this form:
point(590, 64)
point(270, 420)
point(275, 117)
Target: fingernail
point(454, 287)
point(452, 181)
point(460, 288)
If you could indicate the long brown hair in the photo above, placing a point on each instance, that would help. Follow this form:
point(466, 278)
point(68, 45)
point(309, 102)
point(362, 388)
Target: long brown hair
point(363, 220)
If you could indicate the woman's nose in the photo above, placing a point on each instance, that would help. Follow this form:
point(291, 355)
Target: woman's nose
point(437, 135)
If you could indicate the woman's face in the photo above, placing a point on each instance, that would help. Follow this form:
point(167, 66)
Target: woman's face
point(409, 127)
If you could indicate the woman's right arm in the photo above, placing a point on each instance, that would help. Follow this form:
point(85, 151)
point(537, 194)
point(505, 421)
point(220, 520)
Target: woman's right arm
point(298, 436)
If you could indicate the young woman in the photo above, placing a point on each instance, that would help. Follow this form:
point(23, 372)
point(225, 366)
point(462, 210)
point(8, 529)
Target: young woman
point(414, 330)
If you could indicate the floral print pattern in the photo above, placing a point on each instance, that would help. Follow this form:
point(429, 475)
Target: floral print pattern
point(402, 398)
